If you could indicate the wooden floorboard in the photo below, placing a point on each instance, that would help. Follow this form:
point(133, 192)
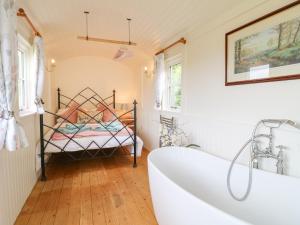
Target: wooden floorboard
point(91, 192)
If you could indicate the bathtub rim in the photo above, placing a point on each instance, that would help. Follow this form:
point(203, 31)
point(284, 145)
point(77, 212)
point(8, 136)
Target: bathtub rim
point(238, 164)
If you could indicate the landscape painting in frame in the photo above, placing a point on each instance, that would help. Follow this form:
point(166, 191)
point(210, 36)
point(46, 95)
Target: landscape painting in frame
point(267, 49)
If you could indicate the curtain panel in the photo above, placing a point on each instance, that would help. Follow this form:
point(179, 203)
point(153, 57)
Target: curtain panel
point(159, 79)
point(12, 136)
point(40, 73)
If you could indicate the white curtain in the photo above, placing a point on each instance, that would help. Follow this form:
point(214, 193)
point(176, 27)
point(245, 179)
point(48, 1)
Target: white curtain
point(12, 136)
point(159, 79)
point(40, 73)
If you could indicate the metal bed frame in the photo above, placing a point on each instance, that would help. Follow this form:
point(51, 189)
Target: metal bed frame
point(87, 96)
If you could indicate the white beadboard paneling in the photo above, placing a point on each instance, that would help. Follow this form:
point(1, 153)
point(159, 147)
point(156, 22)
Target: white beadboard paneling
point(225, 138)
point(154, 23)
point(17, 175)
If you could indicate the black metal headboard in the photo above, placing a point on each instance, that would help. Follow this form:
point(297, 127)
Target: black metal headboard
point(110, 100)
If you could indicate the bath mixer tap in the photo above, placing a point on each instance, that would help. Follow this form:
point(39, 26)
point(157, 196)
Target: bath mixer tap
point(268, 154)
point(256, 153)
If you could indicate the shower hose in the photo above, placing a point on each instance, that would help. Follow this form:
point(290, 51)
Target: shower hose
point(251, 141)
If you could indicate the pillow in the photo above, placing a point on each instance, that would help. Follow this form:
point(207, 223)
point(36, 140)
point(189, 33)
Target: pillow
point(120, 112)
point(70, 113)
point(85, 116)
point(59, 113)
point(107, 114)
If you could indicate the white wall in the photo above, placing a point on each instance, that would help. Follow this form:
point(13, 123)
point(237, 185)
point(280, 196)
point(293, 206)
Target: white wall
point(101, 74)
point(220, 118)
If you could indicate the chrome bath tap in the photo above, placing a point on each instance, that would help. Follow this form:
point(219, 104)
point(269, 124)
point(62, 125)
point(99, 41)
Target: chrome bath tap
point(257, 153)
point(268, 152)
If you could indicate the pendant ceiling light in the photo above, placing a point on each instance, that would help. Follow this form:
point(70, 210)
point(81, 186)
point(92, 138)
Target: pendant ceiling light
point(124, 52)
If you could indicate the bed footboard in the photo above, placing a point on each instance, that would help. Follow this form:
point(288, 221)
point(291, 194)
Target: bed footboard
point(43, 175)
point(134, 137)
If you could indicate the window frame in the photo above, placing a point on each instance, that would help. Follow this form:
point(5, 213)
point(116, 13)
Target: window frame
point(28, 107)
point(169, 62)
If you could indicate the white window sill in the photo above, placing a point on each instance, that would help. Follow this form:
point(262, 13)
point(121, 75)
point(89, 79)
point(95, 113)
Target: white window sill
point(172, 111)
point(168, 110)
point(27, 112)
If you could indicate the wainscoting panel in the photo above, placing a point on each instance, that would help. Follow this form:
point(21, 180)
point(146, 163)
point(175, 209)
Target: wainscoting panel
point(225, 138)
point(17, 176)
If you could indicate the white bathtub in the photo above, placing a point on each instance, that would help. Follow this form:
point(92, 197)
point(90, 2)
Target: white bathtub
point(188, 187)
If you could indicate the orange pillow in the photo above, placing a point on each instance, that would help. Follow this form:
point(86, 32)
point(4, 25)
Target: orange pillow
point(126, 115)
point(71, 113)
point(107, 114)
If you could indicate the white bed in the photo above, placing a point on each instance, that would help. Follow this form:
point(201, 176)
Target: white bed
point(90, 142)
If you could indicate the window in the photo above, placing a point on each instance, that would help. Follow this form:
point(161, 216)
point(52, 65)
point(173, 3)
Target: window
point(25, 82)
point(175, 86)
point(22, 80)
point(172, 101)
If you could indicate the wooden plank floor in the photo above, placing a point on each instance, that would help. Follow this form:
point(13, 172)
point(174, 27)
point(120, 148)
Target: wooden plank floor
point(91, 192)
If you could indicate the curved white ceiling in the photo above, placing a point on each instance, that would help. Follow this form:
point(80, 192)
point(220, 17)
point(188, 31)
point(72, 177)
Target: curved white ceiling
point(154, 22)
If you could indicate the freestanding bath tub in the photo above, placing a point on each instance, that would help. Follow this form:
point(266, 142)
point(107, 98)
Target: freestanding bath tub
point(188, 187)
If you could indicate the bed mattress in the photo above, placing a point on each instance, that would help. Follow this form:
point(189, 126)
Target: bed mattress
point(104, 140)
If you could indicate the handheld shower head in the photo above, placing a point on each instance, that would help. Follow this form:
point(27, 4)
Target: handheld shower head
point(275, 123)
point(292, 123)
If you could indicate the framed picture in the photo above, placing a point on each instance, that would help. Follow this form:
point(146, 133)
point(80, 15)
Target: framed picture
point(266, 49)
